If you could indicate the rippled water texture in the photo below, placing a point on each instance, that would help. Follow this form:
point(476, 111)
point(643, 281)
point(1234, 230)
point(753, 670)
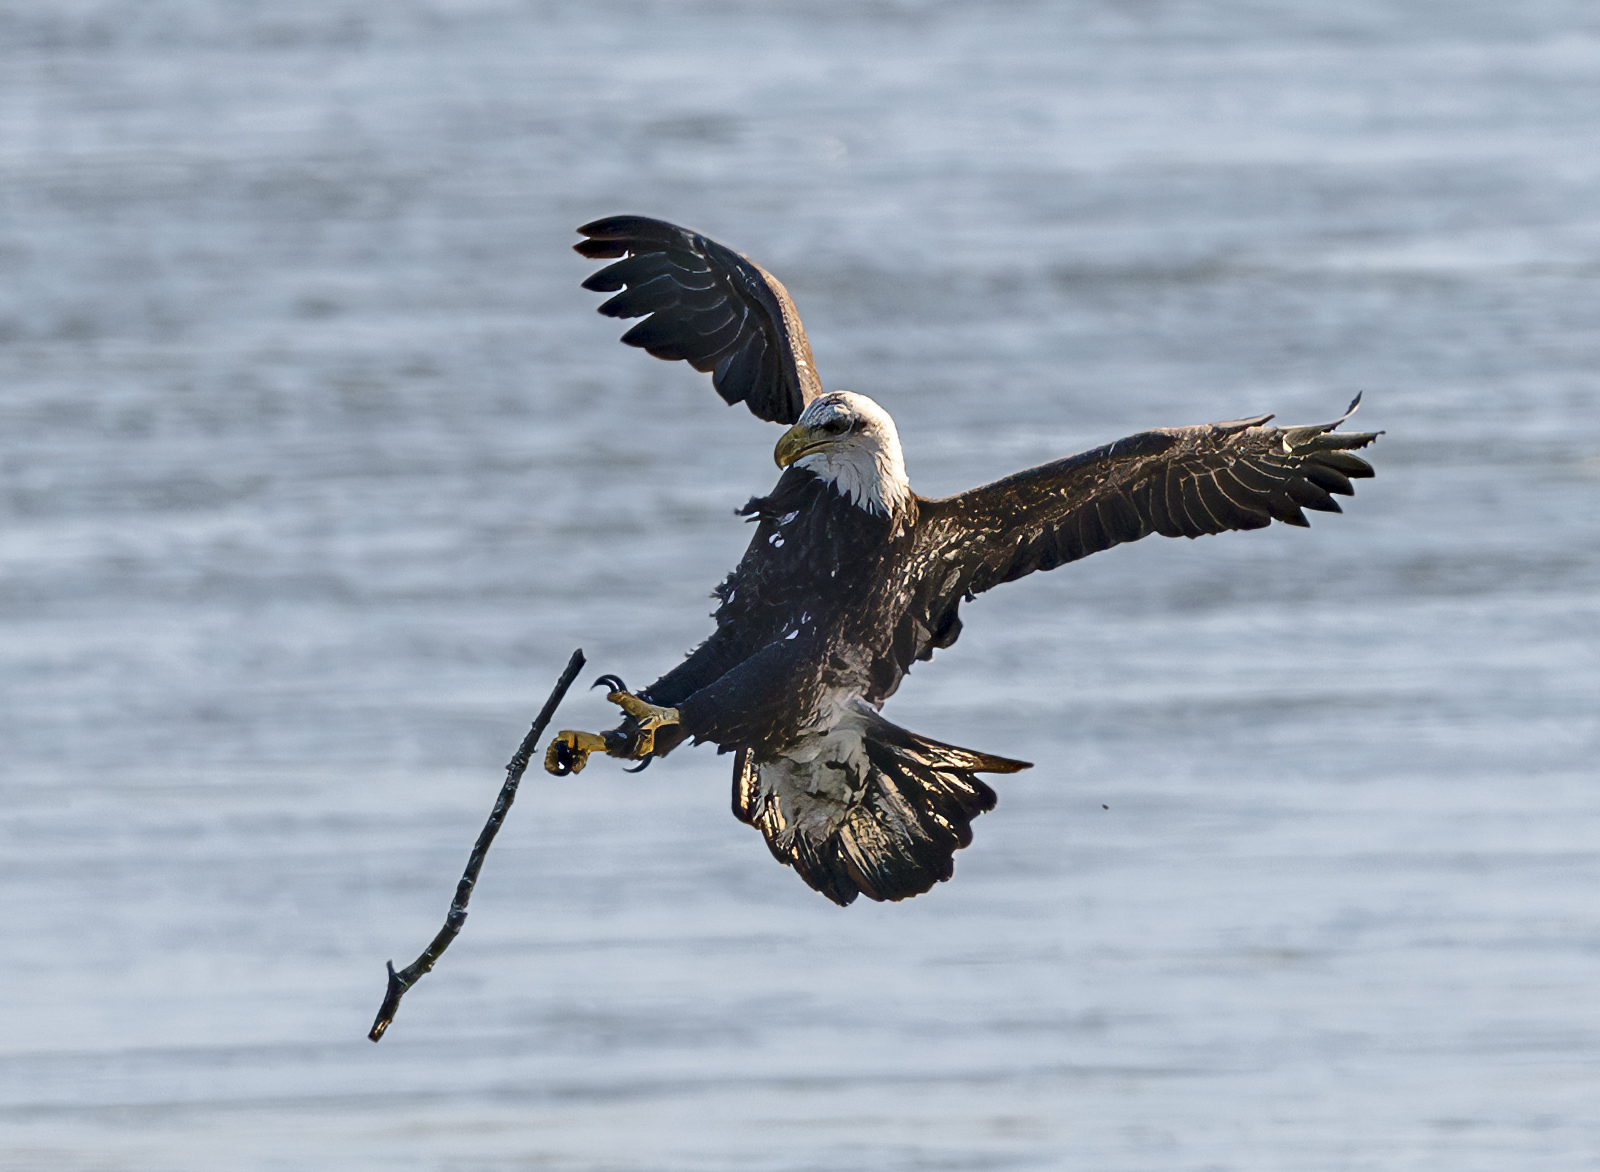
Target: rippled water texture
point(315, 464)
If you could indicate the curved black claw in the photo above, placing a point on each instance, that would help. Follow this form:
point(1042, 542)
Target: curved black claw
point(643, 765)
point(611, 683)
point(563, 758)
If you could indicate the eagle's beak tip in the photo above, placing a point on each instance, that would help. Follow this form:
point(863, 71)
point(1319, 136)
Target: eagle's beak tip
point(791, 446)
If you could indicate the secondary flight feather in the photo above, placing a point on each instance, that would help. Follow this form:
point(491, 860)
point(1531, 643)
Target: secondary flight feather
point(852, 577)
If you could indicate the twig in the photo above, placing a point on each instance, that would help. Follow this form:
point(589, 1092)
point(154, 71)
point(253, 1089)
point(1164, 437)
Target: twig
point(400, 981)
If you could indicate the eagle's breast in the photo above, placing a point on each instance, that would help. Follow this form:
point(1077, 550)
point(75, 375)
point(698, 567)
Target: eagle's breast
point(823, 570)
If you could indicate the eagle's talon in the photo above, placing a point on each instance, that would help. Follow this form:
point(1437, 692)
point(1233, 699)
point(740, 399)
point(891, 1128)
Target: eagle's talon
point(558, 758)
point(569, 752)
point(647, 718)
point(611, 683)
point(650, 716)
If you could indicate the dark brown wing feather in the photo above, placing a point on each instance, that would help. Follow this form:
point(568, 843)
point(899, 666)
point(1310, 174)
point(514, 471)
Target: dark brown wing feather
point(1178, 482)
point(708, 306)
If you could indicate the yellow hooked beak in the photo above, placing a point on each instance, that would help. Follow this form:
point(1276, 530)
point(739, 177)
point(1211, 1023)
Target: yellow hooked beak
point(797, 442)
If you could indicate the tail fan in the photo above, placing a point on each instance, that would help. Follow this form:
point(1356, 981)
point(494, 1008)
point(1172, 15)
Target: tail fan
point(877, 810)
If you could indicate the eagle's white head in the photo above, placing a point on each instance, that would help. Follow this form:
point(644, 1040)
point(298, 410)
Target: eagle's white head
point(850, 442)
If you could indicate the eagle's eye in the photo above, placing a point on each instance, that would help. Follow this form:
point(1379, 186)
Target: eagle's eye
point(835, 426)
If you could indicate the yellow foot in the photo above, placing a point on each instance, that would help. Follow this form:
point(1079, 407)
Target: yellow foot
point(649, 717)
point(569, 752)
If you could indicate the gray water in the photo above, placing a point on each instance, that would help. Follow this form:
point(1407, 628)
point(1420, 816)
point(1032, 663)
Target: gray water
point(315, 464)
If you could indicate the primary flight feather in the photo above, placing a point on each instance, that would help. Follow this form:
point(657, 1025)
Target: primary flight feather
point(852, 577)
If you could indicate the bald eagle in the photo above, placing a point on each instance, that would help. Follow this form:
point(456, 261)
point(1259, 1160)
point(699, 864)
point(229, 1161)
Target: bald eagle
point(852, 577)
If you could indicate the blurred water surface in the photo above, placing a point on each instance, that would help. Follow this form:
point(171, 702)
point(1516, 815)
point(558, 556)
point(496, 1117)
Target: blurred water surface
point(315, 463)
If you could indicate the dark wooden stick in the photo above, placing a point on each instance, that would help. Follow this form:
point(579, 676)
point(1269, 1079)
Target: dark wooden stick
point(400, 981)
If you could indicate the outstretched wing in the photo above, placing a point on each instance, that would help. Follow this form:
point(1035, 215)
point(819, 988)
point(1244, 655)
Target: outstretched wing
point(1178, 482)
point(709, 306)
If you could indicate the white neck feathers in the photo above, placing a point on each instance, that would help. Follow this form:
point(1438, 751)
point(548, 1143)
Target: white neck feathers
point(864, 466)
point(874, 481)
